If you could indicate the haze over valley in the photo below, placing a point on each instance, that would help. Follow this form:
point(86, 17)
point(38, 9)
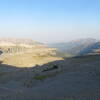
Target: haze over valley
point(32, 70)
point(25, 52)
point(28, 53)
point(49, 49)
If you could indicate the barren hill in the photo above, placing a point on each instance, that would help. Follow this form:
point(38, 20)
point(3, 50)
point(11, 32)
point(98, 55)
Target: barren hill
point(74, 47)
point(25, 52)
point(69, 79)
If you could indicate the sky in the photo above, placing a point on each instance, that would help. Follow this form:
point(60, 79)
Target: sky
point(50, 20)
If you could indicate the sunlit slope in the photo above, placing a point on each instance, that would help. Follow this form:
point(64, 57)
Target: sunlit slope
point(25, 52)
point(27, 59)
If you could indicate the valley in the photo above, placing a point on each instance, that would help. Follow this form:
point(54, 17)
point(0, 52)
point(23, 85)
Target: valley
point(78, 47)
point(25, 52)
point(36, 72)
point(49, 50)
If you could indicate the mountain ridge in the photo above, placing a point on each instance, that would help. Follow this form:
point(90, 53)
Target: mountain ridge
point(74, 47)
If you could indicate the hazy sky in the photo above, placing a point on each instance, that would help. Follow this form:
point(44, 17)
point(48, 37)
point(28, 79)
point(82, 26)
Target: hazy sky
point(50, 20)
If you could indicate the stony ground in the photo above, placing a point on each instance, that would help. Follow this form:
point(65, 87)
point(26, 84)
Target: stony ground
point(27, 59)
point(69, 79)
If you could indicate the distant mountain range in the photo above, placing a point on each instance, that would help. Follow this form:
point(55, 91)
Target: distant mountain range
point(14, 45)
point(93, 49)
point(78, 47)
point(17, 41)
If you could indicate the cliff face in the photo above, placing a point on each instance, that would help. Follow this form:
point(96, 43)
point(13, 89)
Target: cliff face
point(12, 46)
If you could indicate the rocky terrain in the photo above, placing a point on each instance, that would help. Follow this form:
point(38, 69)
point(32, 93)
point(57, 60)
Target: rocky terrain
point(25, 52)
point(93, 49)
point(73, 48)
point(30, 71)
point(69, 79)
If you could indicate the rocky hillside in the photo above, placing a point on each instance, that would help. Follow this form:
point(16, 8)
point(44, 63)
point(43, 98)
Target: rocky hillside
point(19, 45)
point(23, 45)
point(74, 47)
point(69, 79)
point(93, 49)
point(25, 52)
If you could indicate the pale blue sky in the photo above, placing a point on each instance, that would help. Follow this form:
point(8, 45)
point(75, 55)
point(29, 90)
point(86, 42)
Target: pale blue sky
point(50, 20)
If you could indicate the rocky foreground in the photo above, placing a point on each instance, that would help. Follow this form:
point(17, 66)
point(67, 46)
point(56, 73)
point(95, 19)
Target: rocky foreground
point(69, 79)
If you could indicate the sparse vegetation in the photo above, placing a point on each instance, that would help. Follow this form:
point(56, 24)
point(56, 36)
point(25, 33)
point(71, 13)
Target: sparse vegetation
point(68, 74)
point(29, 82)
point(42, 77)
point(37, 65)
point(53, 67)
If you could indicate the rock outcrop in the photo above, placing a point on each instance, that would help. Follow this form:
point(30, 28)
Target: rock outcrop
point(12, 46)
